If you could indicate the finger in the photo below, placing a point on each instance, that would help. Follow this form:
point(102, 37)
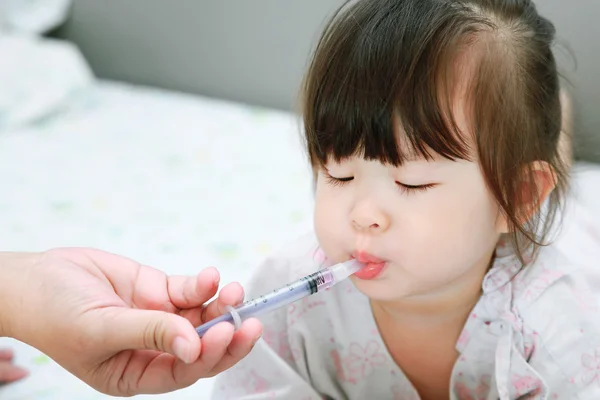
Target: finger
point(10, 372)
point(242, 343)
point(214, 344)
point(6, 355)
point(230, 295)
point(132, 329)
point(189, 292)
point(214, 348)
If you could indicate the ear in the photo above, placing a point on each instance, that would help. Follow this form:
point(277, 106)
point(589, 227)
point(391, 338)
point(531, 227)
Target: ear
point(565, 141)
point(539, 180)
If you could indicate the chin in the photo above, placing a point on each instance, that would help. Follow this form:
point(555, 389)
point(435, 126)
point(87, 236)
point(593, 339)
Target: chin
point(379, 290)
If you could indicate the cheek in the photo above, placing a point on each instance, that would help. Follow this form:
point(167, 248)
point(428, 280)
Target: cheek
point(328, 218)
point(331, 221)
point(452, 230)
point(471, 211)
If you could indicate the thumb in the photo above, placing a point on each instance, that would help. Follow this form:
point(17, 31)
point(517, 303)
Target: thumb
point(134, 329)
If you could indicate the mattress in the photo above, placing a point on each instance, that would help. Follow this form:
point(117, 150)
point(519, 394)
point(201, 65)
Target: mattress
point(177, 182)
point(174, 181)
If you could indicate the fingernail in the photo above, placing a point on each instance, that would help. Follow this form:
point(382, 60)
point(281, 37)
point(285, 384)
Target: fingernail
point(182, 349)
point(255, 340)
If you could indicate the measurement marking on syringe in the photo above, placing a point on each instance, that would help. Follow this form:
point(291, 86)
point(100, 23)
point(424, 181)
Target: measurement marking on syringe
point(320, 279)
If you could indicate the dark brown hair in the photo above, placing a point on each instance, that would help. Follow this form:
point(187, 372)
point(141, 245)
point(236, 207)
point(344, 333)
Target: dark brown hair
point(384, 64)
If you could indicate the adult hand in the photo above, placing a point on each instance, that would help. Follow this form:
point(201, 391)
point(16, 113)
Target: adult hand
point(121, 327)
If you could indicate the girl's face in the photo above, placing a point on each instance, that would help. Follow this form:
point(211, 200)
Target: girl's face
point(425, 228)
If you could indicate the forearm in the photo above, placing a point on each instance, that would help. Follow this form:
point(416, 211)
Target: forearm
point(14, 273)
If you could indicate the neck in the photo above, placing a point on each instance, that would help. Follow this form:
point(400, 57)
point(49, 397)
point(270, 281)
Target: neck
point(432, 313)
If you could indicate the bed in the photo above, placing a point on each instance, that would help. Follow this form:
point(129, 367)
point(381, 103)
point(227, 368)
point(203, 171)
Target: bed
point(175, 181)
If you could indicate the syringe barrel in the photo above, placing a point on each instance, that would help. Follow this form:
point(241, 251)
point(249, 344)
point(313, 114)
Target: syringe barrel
point(280, 297)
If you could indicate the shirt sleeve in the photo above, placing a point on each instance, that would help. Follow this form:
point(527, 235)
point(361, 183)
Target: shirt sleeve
point(269, 371)
point(565, 321)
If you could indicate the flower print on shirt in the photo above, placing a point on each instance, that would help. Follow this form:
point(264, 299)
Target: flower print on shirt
point(526, 385)
point(253, 383)
point(591, 363)
point(479, 392)
point(363, 360)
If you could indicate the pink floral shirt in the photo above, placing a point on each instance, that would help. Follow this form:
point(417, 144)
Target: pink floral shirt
point(534, 334)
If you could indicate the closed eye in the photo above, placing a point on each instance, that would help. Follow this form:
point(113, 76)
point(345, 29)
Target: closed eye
point(404, 188)
point(335, 181)
point(409, 189)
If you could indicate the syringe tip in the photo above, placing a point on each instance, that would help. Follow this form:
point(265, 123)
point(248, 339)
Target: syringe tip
point(343, 270)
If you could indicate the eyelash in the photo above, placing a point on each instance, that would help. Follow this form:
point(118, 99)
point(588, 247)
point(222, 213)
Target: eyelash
point(408, 189)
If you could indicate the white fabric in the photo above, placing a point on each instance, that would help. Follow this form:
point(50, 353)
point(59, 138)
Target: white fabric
point(32, 17)
point(38, 78)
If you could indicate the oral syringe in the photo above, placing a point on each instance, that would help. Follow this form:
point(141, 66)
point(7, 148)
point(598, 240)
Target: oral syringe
point(304, 287)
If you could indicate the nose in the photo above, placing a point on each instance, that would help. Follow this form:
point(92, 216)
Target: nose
point(367, 217)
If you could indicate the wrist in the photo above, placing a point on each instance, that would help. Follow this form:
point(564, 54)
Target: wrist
point(15, 269)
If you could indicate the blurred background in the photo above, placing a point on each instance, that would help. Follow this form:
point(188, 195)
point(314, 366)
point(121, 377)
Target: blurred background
point(167, 131)
point(256, 51)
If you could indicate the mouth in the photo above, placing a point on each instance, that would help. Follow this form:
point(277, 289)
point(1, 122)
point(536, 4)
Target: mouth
point(374, 266)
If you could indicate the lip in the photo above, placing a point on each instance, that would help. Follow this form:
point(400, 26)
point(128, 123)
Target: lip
point(374, 266)
point(366, 258)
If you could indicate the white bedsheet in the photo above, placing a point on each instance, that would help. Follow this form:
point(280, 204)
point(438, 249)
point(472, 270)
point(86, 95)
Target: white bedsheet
point(176, 182)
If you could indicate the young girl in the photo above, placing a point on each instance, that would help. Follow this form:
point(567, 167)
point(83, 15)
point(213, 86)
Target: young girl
point(433, 128)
